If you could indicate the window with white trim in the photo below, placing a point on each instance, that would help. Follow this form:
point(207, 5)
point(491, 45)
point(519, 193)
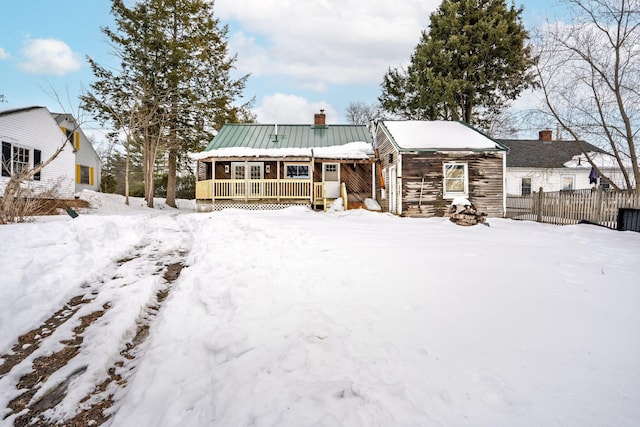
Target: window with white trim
point(456, 179)
point(568, 182)
point(296, 171)
point(525, 186)
point(84, 175)
point(16, 158)
point(238, 171)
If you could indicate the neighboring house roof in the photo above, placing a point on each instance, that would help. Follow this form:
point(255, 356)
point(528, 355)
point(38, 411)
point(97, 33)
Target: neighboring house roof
point(535, 153)
point(421, 135)
point(18, 110)
point(270, 140)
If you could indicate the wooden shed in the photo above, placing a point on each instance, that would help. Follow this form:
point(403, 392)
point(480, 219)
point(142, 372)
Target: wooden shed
point(422, 166)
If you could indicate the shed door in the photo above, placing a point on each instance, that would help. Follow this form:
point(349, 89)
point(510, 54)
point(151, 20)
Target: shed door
point(331, 178)
point(392, 189)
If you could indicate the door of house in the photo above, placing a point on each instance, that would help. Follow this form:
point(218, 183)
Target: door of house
point(251, 174)
point(392, 189)
point(331, 179)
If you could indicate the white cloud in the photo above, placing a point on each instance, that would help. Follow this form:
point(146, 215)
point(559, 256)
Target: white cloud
point(292, 109)
point(49, 56)
point(319, 42)
point(3, 54)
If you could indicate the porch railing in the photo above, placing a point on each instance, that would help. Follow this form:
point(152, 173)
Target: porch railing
point(204, 189)
point(319, 192)
point(241, 189)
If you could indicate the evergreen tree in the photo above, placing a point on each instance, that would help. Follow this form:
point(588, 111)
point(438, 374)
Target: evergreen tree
point(197, 77)
point(174, 87)
point(470, 63)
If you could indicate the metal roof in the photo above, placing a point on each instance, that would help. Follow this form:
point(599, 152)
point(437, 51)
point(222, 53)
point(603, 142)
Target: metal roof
point(266, 136)
point(534, 153)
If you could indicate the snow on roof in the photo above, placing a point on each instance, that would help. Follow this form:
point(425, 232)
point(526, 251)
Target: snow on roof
point(424, 135)
point(352, 150)
point(601, 160)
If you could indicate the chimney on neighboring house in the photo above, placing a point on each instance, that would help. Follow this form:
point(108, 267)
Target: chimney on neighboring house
point(320, 119)
point(545, 135)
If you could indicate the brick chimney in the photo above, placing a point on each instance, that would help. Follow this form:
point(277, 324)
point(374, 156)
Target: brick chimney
point(320, 119)
point(545, 135)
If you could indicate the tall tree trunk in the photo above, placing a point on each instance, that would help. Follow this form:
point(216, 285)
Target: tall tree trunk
point(171, 177)
point(126, 172)
point(8, 200)
point(148, 163)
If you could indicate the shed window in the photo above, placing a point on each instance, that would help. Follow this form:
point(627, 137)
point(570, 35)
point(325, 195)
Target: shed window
point(455, 179)
point(297, 171)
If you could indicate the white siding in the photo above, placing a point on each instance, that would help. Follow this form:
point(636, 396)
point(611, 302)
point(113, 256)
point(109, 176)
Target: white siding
point(551, 179)
point(85, 156)
point(548, 179)
point(36, 129)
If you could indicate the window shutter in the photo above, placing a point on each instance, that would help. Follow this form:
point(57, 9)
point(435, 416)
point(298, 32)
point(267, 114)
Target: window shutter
point(37, 159)
point(6, 159)
point(91, 170)
point(76, 140)
point(78, 173)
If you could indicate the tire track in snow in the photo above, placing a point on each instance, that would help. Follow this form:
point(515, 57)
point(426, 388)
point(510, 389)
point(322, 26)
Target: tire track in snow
point(42, 378)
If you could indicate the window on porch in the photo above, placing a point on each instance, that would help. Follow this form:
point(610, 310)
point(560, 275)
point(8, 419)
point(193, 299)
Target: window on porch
point(297, 171)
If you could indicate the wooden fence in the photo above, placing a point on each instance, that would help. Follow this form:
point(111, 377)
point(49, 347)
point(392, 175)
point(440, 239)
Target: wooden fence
point(570, 207)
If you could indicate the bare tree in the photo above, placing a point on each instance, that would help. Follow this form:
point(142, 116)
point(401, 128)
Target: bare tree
point(360, 113)
point(589, 73)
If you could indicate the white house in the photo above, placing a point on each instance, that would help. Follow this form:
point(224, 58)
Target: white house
point(88, 166)
point(554, 165)
point(30, 136)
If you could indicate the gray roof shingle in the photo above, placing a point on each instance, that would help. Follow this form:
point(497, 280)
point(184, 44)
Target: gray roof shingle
point(534, 153)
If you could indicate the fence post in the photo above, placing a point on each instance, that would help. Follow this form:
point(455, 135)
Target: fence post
point(540, 204)
point(598, 204)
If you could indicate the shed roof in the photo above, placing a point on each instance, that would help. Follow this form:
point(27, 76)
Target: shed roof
point(535, 153)
point(417, 135)
point(273, 136)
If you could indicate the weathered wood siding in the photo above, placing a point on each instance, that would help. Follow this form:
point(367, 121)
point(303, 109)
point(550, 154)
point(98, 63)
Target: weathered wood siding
point(422, 183)
point(356, 175)
point(385, 148)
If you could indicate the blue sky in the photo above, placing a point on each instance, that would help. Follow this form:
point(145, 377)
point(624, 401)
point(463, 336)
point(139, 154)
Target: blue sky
point(302, 55)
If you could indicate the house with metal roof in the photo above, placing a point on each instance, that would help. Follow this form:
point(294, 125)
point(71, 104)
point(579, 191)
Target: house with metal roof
point(425, 165)
point(268, 166)
point(555, 165)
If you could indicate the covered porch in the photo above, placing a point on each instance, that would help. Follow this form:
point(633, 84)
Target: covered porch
point(281, 182)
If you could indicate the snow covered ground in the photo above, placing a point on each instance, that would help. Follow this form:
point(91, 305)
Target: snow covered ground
point(302, 318)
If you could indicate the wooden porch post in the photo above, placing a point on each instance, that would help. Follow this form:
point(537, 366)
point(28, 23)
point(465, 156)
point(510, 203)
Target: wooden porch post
point(311, 183)
point(213, 182)
point(246, 180)
point(278, 180)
